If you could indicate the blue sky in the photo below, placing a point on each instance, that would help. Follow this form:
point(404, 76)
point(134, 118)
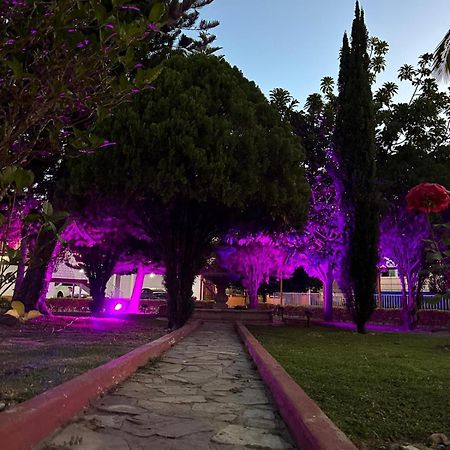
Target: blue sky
point(294, 43)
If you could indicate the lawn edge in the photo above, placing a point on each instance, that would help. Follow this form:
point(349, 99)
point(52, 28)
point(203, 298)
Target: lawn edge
point(30, 422)
point(309, 426)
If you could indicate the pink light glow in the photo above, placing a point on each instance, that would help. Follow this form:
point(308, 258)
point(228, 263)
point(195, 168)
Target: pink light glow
point(118, 307)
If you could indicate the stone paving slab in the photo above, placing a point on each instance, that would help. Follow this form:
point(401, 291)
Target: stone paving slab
point(204, 393)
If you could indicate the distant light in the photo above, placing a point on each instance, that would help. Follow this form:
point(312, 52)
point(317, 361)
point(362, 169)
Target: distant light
point(81, 271)
point(118, 307)
point(152, 275)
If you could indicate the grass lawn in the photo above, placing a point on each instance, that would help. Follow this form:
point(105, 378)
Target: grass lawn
point(45, 352)
point(378, 388)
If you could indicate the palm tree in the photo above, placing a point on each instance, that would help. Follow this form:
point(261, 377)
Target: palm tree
point(327, 86)
point(441, 65)
point(283, 102)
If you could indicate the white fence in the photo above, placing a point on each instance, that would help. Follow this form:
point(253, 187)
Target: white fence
point(394, 301)
point(388, 300)
point(306, 299)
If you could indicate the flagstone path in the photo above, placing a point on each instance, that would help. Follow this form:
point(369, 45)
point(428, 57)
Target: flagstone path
point(204, 393)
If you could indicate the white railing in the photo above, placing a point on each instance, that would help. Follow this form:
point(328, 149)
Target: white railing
point(394, 301)
point(388, 300)
point(305, 299)
point(442, 305)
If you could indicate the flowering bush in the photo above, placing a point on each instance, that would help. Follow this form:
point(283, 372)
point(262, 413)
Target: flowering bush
point(434, 198)
point(428, 197)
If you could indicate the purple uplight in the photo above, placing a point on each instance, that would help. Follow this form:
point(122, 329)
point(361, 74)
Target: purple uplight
point(118, 307)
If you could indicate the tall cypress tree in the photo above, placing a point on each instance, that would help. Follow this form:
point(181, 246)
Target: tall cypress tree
point(356, 154)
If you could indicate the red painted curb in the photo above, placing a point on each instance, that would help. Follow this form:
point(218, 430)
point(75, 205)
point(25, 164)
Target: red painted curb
point(30, 422)
point(308, 424)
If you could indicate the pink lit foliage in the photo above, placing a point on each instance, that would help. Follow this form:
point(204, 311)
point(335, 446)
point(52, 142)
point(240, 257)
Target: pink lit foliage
point(320, 244)
point(434, 201)
point(139, 263)
point(255, 257)
point(96, 243)
point(403, 238)
point(106, 243)
point(13, 230)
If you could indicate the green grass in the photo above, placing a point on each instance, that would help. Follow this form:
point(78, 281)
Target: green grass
point(45, 352)
point(378, 388)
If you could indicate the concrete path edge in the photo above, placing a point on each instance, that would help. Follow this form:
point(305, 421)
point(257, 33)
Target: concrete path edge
point(33, 420)
point(309, 426)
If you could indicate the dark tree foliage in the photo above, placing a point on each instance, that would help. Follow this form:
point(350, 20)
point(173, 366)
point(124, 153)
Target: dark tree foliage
point(356, 152)
point(201, 152)
point(413, 137)
point(64, 64)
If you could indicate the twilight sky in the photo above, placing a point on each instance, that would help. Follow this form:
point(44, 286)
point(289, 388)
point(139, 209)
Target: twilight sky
point(294, 43)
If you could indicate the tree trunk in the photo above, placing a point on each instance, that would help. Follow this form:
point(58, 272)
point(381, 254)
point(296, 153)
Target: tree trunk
point(253, 297)
point(98, 292)
point(184, 231)
point(20, 270)
point(404, 303)
point(252, 282)
point(99, 262)
point(361, 327)
point(33, 289)
point(137, 290)
point(179, 280)
point(183, 252)
point(328, 296)
point(411, 305)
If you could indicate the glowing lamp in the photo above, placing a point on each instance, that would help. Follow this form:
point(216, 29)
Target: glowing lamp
point(118, 307)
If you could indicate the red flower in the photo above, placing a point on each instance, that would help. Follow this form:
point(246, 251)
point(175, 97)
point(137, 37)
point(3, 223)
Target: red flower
point(428, 197)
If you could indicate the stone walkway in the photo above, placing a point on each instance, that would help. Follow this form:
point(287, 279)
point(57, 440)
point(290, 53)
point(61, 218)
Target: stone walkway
point(204, 393)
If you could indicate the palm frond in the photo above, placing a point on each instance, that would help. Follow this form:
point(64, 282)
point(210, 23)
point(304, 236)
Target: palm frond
point(441, 63)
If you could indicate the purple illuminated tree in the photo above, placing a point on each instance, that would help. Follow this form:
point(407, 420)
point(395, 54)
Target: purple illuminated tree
point(136, 260)
point(320, 243)
point(255, 257)
point(98, 262)
point(43, 246)
point(433, 200)
point(318, 246)
point(101, 239)
point(402, 240)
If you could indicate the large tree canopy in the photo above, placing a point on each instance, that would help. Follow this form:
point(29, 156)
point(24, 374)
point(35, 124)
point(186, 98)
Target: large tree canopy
point(202, 151)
